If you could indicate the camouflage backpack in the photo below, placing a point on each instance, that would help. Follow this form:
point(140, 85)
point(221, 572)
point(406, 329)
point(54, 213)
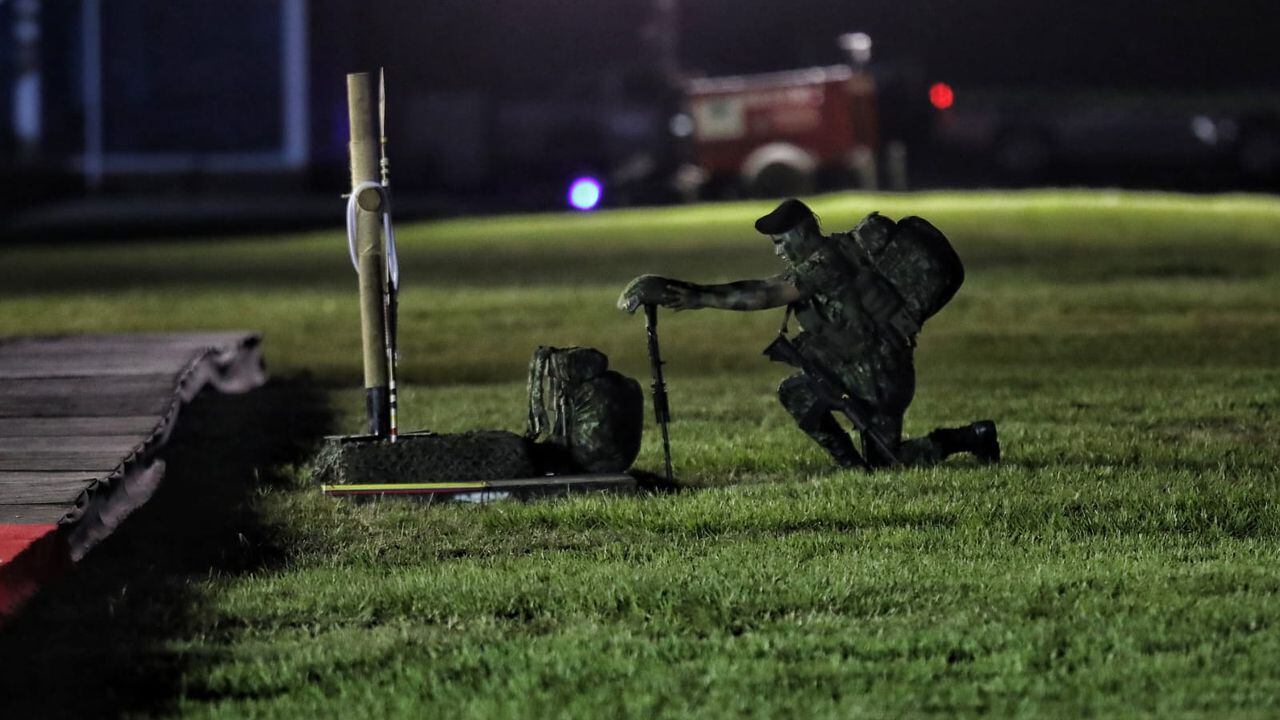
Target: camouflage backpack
point(596, 414)
point(910, 259)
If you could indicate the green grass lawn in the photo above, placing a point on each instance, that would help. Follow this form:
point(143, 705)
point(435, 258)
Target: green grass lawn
point(1123, 561)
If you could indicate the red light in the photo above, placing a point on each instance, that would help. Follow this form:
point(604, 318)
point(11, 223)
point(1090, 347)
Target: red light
point(941, 96)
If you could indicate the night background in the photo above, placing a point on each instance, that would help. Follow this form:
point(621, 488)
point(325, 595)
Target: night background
point(499, 105)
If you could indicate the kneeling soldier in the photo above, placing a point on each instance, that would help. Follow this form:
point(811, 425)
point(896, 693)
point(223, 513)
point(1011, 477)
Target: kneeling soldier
point(861, 299)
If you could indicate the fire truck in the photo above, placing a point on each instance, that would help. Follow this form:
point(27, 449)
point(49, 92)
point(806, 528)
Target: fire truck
point(784, 133)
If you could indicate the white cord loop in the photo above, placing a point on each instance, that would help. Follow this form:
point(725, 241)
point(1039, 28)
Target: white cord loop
point(388, 231)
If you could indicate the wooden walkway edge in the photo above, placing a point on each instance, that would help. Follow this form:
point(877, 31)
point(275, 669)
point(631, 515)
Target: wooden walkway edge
point(81, 420)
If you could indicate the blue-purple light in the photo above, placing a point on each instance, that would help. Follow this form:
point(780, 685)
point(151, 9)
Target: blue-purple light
point(584, 193)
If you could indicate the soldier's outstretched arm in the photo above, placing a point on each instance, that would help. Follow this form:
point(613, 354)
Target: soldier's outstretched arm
point(770, 292)
point(763, 294)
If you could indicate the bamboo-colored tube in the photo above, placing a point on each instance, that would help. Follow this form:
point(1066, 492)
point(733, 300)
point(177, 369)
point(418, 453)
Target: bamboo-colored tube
point(362, 96)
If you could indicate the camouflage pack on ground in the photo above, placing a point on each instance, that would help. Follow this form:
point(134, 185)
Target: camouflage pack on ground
point(577, 404)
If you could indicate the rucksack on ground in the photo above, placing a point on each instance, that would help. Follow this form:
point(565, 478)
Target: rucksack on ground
point(591, 415)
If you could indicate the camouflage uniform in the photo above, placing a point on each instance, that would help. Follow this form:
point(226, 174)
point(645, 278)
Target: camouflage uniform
point(874, 363)
point(860, 300)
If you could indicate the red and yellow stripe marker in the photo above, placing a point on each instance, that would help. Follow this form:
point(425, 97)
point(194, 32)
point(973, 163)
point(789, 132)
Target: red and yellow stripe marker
point(532, 486)
point(403, 488)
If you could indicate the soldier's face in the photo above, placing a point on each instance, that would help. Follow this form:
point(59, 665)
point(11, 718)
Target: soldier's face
point(787, 245)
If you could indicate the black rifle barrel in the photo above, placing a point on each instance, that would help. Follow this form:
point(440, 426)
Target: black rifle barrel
point(390, 299)
point(828, 388)
point(661, 408)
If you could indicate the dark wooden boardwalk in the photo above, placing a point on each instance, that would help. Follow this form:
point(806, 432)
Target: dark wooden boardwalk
point(81, 418)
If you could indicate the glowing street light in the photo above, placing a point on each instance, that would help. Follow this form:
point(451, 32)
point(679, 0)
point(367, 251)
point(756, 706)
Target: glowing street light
point(858, 45)
point(584, 193)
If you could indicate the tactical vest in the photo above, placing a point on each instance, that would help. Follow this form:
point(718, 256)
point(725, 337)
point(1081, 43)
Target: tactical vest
point(596, 414)
point(889, 276)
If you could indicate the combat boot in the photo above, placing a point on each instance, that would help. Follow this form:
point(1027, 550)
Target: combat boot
point(847, 457)
point(984, 443)
point(978, 438)
point(839, 446)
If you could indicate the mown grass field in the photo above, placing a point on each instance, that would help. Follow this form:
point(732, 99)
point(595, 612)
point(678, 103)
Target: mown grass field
point(1123, 561)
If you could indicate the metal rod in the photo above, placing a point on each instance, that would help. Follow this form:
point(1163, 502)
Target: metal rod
point(294, 79)
point(390, 301)
point(661, 405)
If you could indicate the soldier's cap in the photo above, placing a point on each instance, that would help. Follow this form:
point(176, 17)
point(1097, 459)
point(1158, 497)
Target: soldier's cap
point(785, 218)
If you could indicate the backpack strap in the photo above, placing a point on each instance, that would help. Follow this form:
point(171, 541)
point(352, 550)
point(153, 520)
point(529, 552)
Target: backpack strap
point(558, 380)
point(786, 318)
point(871, 284)
point(537, 422)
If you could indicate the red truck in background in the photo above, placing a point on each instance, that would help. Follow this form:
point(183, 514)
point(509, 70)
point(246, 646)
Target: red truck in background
point(784, 133)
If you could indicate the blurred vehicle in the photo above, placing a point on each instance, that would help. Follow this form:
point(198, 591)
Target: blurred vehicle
point(784, 133)
point(1029, 135)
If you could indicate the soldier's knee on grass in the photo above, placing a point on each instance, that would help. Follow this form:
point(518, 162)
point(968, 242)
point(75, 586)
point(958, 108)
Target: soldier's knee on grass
point(800, 400)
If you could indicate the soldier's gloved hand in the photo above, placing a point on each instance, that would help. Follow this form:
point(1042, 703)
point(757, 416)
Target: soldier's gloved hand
point(643, 290)
point(658, 290)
